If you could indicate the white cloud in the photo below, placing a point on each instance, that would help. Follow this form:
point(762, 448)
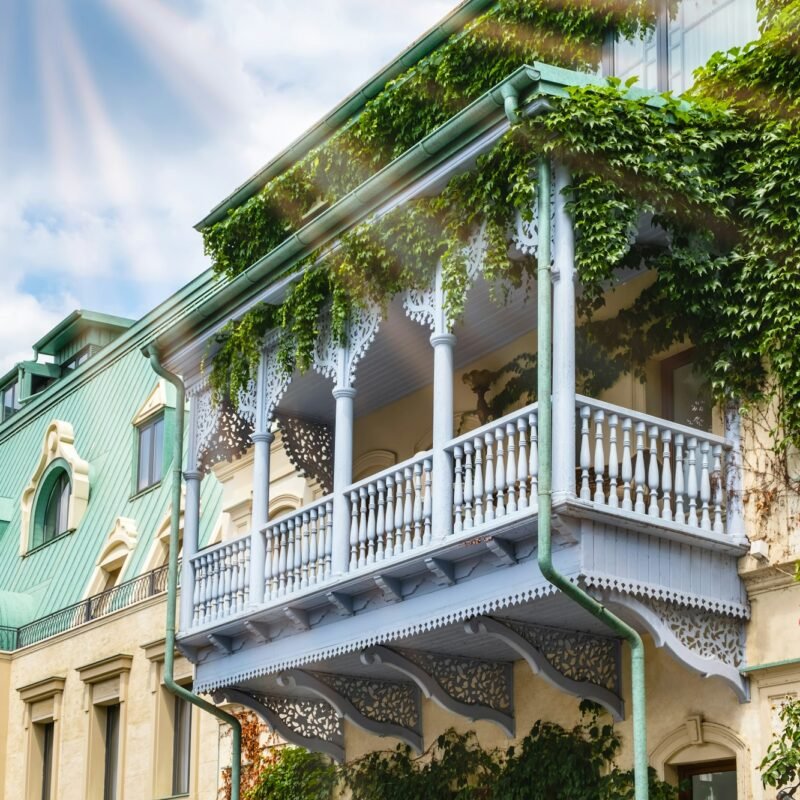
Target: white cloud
point(262, 73)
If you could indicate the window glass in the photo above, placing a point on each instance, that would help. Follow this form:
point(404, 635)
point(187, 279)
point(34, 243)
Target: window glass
point(691, 397)
point(709, 781)
point(48, 729)
point(151, 454)
point(667, 59)
point(181, 746)
point(111, 759)
point(56, 512)
point(10, 401)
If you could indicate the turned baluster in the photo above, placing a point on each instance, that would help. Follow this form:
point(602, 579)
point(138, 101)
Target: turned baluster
point(399, 512)
point(627, 465)
point(533, 459)
point(691, 481)
point(478, 489)
point(522, 463)
point(353, 530)
point(246, 567)
point(488, 439)
point(417, 512)
point(705, 487)
point(500, 472)
point(268, 546)
point(585, 455)
point(427, 502)
point(276, 559)
point(469, 485)
point(305, 548)
point(328, 537)
point(362, 527)
point(613, 461)
point(599, 456)
point(298, 550)
point(231, 576)
point(639, 475)
point(283, 558)
point(213, 586)
point(666, 474)
point(680, 515)
point(380, 522)
point(390, 529)
point(372, 526)
point(313, 547)
point(197, 594)
point(290, 548)
point(458, 490)
point(511, 468)
point(718, 489)
point(408, 510)
point(652, 472)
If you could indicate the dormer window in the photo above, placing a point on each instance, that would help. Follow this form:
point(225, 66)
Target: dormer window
point(81, 357)
point(151, 453)
point(53, 518)
point(10, 401)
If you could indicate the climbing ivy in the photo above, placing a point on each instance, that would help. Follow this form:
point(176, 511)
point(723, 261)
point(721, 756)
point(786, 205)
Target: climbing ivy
point(718, 176)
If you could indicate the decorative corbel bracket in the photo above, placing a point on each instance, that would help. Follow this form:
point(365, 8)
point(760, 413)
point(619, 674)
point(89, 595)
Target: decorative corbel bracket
point(468, 687)
point(385, 708)
point(580, 664)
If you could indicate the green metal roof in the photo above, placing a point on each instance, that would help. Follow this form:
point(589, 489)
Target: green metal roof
point(76, 323)
point(100, 404)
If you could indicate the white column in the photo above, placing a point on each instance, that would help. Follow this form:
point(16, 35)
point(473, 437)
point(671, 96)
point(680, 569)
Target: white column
point(734, 480)
point(191, 532)
point(342, 477)
point(564, 324)
point(442, 479)
point(260, 513)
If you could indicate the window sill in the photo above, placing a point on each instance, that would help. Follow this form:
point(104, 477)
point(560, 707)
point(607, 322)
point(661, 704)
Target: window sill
point(135, 496)
point(42, 546)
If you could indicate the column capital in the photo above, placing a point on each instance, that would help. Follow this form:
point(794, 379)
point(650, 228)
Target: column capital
point(344, 391)
point(193, 475)
point(263, 436)
point(443, 338)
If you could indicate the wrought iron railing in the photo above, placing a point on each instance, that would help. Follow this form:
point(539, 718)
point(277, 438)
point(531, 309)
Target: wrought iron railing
point(99, 605)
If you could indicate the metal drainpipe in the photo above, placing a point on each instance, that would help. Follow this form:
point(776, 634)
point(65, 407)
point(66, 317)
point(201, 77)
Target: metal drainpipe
point(545, 549)
point(172, 577)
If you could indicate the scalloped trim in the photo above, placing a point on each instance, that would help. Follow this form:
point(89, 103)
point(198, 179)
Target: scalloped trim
point(648, 590)
point(399, 631)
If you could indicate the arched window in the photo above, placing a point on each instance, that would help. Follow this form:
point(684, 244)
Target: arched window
point(51, 507)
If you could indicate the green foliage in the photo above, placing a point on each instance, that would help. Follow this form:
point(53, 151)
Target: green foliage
point(720, 180)
point(781, 766)
point(295, 774)
point(551, 763)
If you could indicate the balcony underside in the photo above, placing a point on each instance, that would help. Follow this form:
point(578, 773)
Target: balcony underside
point(471, 605)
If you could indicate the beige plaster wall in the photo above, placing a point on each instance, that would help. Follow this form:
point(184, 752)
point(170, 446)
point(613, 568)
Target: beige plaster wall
point(123, 633)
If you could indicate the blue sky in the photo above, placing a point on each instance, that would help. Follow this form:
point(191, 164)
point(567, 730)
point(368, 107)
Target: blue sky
point(123, 121)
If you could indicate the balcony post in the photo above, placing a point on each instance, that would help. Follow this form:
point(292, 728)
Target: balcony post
point(342, 477)
point(734, 488)
point(564, 323)
point(262, 440)
point(191, 520)
point(442, 478)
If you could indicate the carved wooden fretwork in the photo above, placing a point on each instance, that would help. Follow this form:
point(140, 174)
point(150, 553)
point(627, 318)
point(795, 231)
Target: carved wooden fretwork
point(309, 446)
point(386, 708)
point(312, 724)
point(703, 640)
point(426, 306)
point(247, 403)
point(275, 383)
point(580, 663)
point(337, 362)
point(467, 686)
point(704, 633)
point(220, 432)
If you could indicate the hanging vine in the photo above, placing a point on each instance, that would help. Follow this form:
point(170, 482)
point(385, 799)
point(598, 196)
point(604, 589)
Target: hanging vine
point(719, 177)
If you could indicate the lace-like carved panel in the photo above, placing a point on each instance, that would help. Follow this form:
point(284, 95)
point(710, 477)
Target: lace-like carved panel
point(708, 635)
point(309, 446)
point(225, 441)
point(312, 719)
point(577, 656)
point(337, 363)
point(247, 403)
point(379, 701)
point(468, 680)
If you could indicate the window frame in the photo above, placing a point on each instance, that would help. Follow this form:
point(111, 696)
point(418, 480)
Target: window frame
point(56, 470)
point(182, 720)
point(111, 746)
point(140, 429)
point(13, 387)
point(687, 771)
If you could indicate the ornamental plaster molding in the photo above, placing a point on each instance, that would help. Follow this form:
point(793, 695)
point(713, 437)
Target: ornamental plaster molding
point(58, 445)
point(156, 401)
point(120, 543)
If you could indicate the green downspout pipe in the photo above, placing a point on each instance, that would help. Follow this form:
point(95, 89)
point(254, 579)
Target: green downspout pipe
point(151, 352)
point(545, 548)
